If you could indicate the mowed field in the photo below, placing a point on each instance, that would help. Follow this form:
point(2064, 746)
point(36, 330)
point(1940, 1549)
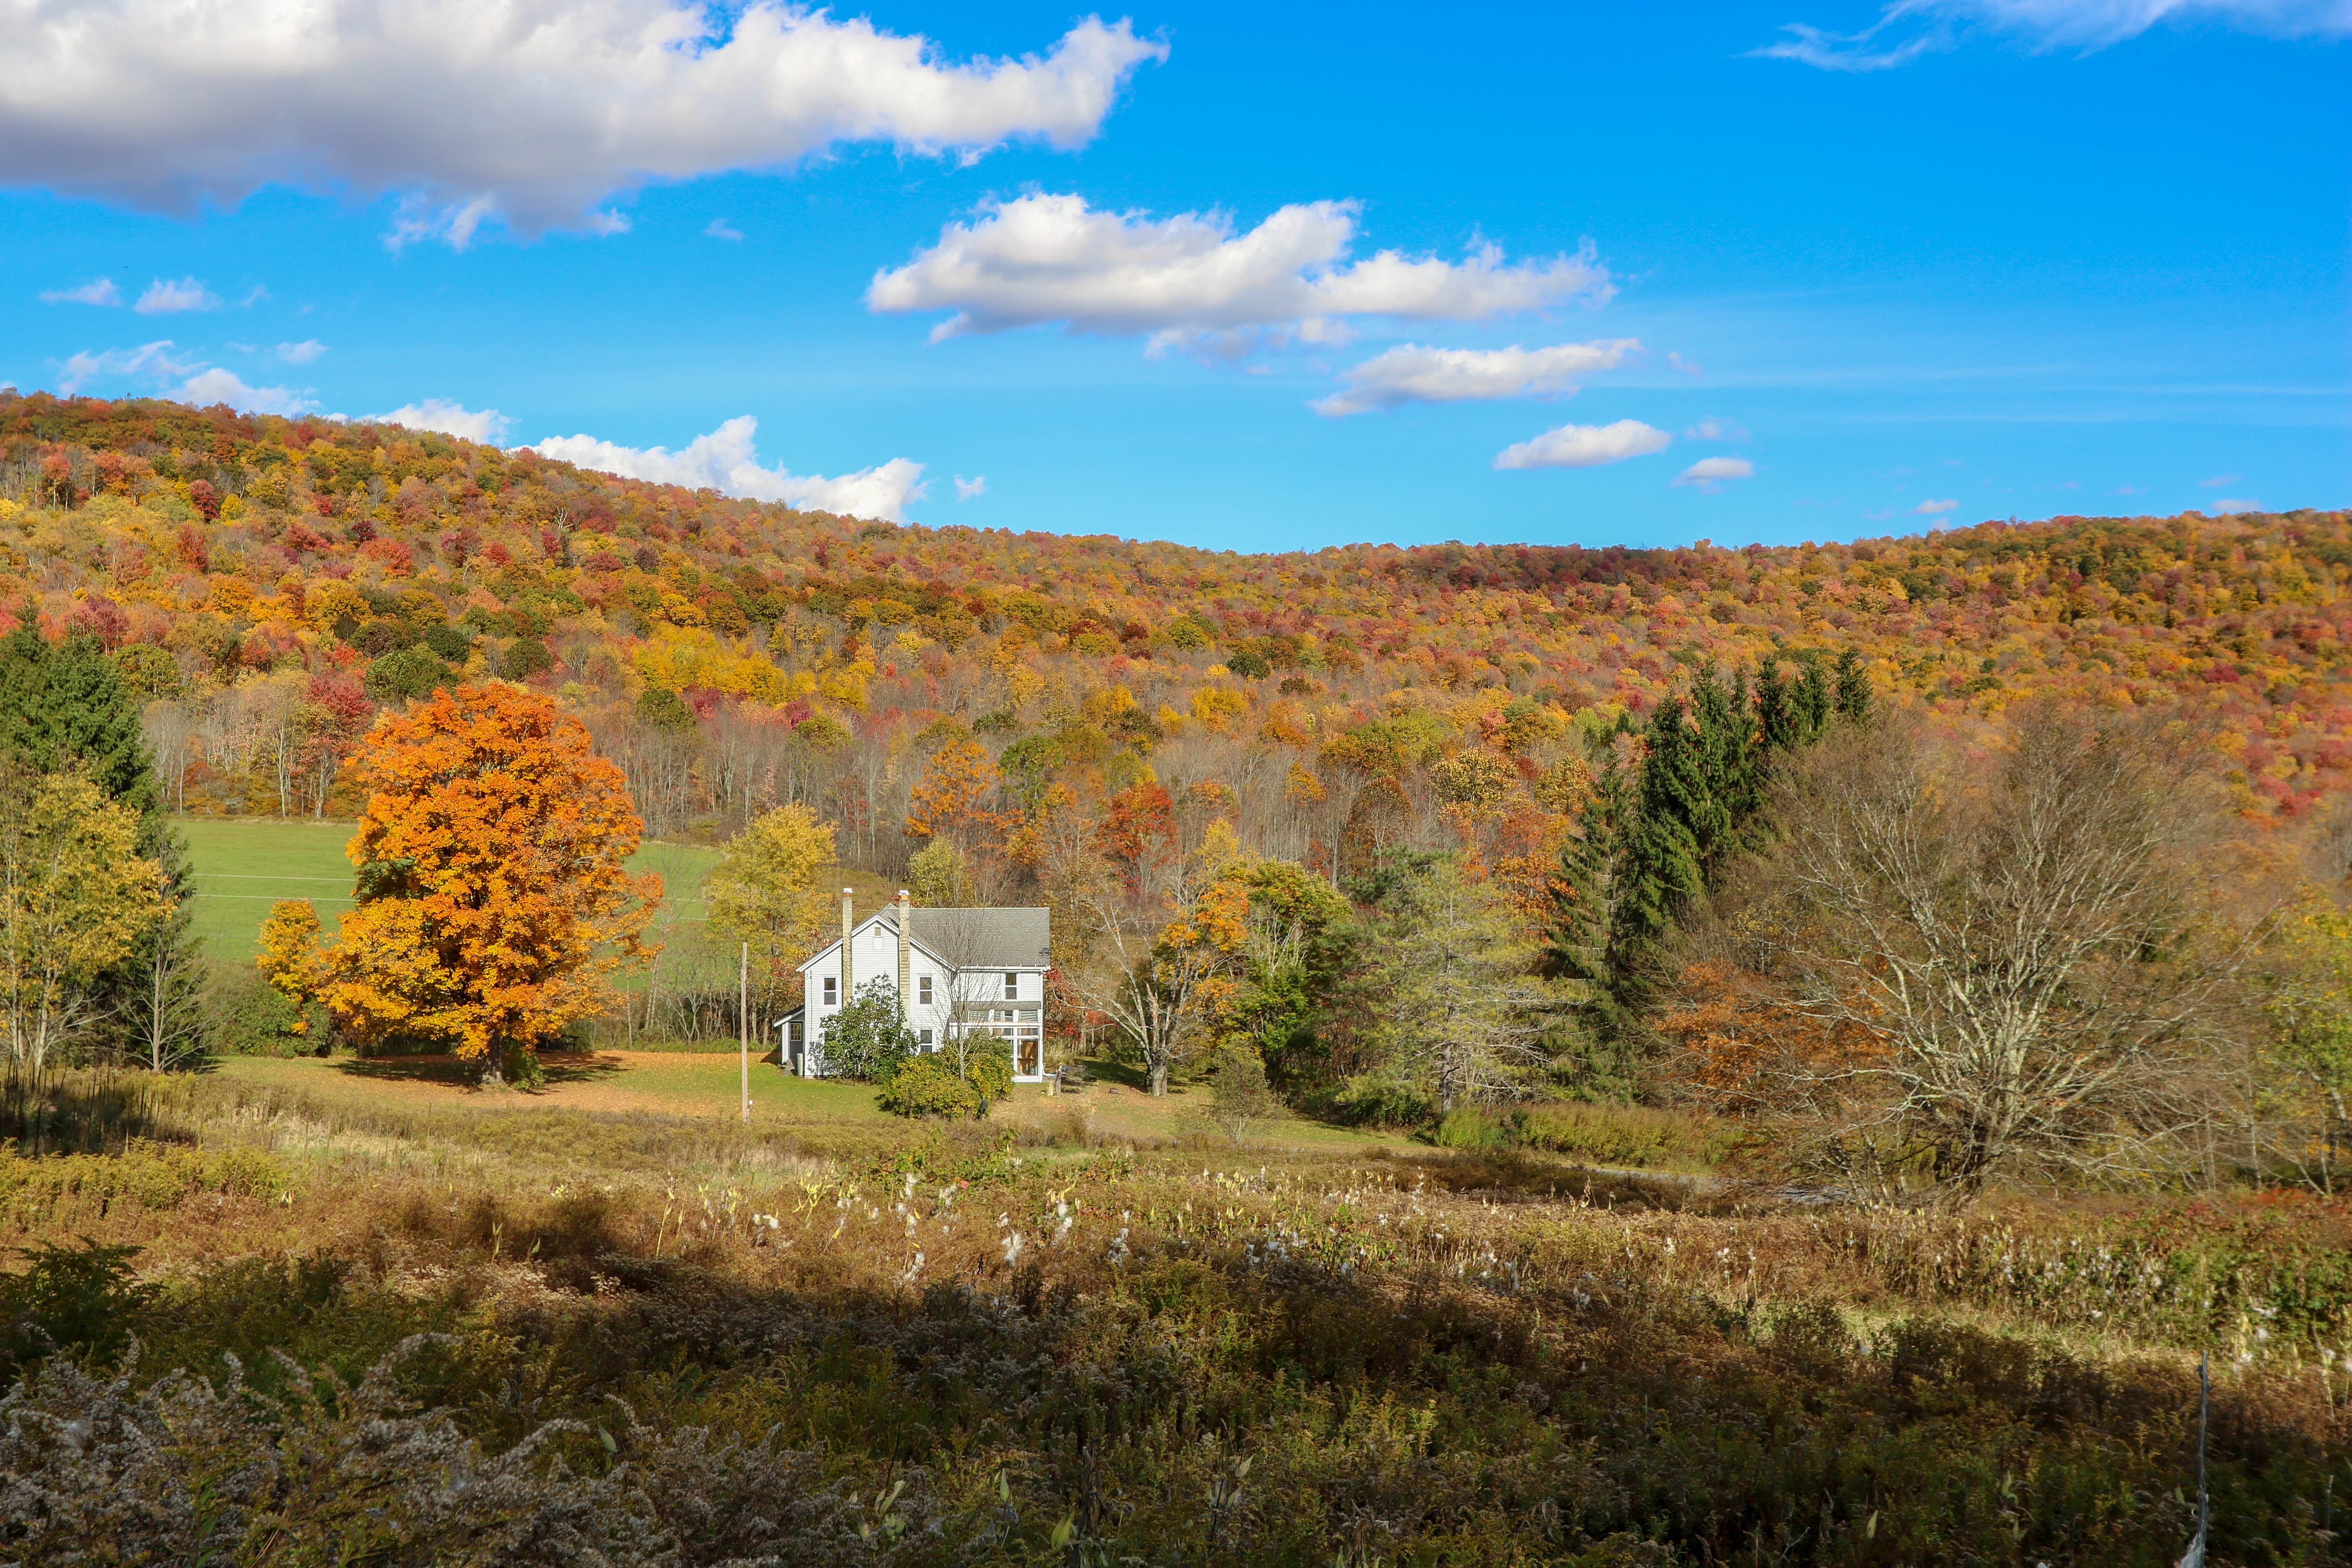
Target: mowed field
point(243, 866)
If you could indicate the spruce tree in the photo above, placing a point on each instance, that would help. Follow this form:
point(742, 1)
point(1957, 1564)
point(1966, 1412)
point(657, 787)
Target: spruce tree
point(1853, 700)
point(1812, 697)
point(1776, 708)
point(1663, 861)
point(1584, 894)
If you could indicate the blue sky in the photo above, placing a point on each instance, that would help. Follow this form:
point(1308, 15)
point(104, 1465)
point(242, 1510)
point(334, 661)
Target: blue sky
point(1951, 260)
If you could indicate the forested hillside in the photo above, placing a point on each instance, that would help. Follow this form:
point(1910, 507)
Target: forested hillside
point(271, 583)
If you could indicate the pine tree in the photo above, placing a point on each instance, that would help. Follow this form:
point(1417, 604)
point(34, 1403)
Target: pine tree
point(1812, 697)
point(1853, 699)
point(1776, 708)
point(1663, 862)
point(1584, 893)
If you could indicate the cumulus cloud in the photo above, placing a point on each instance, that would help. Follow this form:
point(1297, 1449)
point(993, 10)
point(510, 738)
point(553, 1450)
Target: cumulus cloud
point(1935, 507)
point(971, 488)
point(1708, 473)
point(1712, 429)
point(210, 386)
point(1411, 373)
point(439, 414)
point(96, 291)
point(160, 366)
point(153, 362)
point(302, 352)
point(1191, 280)
point(2218, 480)
point(726, 460)
point(719, 228)
point(1910, 28)
point(2225, 507)
point(531, 111)
point(1688, 367)
point(1584, 445)
point(167, 295)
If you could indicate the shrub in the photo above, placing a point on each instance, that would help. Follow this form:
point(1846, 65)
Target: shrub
point(253, 1018)
point(1627, 1135)
point(868, 1039)
point(930, 1086)
point(988, 1067)
point(1465, 1127)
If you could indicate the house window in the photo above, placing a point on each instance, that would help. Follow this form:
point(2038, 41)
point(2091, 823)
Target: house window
point(923, 1037)
point(1011, 987)
point(832, 991)
point(923, 992)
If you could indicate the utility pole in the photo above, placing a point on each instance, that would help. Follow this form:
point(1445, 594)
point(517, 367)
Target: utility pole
point(744, 1019)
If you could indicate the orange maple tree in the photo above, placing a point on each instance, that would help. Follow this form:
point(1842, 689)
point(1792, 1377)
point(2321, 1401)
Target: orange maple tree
point(494, 904)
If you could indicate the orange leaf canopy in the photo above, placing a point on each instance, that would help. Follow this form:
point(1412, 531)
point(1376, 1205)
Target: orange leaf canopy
point(494, 904)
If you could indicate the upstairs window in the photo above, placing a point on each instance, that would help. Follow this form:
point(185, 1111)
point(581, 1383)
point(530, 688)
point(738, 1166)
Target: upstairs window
point(1011, 987)
point(832, 991)
point(923, 989)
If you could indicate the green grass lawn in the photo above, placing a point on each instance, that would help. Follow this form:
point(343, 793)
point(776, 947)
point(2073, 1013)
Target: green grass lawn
point(244, 865)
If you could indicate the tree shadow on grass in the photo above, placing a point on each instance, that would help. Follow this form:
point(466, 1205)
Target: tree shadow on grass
point(560, 1067)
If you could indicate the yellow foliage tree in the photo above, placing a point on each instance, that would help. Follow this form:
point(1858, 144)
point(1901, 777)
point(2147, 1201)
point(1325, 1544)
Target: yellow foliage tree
point(494, 904)
point(291, 959)
point(769, 891)
point(75, 894)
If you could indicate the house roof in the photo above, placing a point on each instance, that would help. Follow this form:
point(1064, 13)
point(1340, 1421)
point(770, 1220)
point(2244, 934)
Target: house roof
point(984, 937)
point(968, 937)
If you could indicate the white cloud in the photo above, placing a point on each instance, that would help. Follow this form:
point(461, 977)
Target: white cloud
point(1910, 28)
point(2225, 507)
point(1584, 445)
point(2218, 480)
point(166, 295)
point(725, 459)
point(534, 112)
point(302, 352)
point(1411, 373)
point(1935, 507)
point(1688, 367)
point(1708, 473)
point(971, 488)
point(96, 291)
point(1712, 429)
point(1191, 280)
point(210, 386)
point(719, 228)
point(148, 362)
point(438, 413)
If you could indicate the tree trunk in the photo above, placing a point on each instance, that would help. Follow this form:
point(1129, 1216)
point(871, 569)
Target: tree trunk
point(1158, 1081)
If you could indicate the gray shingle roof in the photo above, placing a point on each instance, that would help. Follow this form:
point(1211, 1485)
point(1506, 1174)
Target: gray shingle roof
point(984, 937)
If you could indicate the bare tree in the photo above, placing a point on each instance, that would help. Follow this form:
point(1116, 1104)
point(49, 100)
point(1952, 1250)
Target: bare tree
point(2018, 968)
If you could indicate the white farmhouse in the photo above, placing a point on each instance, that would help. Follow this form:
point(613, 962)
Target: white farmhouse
point(956, 972)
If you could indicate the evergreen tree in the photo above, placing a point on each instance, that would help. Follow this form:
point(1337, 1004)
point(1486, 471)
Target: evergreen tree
point(1812, 697)
point(64, 705)
point(1664, 860)
point(1853, 699)
point(1584, 894)
point(1776, 708)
